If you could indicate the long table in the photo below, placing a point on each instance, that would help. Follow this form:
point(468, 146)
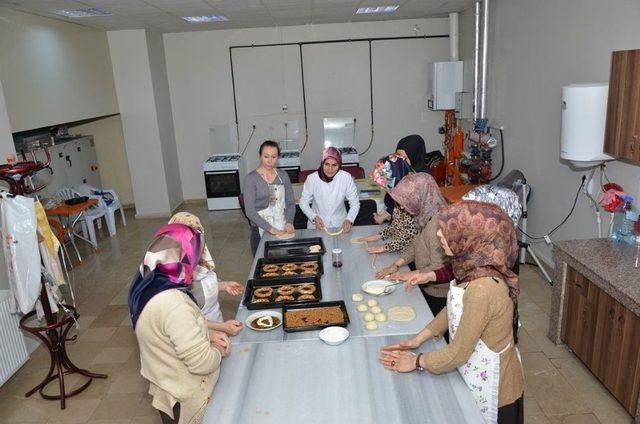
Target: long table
point(278, 377)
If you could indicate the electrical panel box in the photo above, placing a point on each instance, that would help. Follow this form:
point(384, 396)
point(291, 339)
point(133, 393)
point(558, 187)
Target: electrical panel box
point(464, 105)
point(444, 81)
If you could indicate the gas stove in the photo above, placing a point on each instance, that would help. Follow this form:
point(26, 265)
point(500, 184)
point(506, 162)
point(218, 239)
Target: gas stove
point(349, 155)
point(222, 162)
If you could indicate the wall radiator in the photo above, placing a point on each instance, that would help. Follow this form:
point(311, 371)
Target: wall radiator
point(13, 351)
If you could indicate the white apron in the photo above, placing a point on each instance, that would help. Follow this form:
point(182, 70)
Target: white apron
point(274, 213)
point(482, 371)
point(211, 308)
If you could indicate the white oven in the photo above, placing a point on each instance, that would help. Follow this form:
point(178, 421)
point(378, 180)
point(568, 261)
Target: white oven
point(223, 174)
point(289, 162)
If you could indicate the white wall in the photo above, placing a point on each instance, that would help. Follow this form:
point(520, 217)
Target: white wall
point(336, 78)
point(52, 71)
point(136, 101)
point(158, 69)
point(536, 48)
point(6, 147)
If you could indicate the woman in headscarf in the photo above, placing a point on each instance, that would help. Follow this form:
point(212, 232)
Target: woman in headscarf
point(325, 192)
point(206, 286)
point(419, 196)
point(176, 355)
point(411, 149)
point(480, 314)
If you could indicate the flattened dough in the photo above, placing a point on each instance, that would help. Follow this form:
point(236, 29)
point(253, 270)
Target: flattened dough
point(401, 313)
point(286, 236)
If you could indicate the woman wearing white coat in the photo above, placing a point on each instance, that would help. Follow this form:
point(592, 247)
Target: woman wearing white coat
point(325, 191)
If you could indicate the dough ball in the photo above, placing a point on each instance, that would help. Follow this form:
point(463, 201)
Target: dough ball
point(362, 307)
point(369, 316)
point(371, 325)
point(376, 310)
point(381, 317)
point(372, 302)
point(357, 297)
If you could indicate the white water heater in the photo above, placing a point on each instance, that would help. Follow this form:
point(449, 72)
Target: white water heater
point(584, 113)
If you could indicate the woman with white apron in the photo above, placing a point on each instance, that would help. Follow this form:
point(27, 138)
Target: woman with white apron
point(480, 313)
point(268, 197)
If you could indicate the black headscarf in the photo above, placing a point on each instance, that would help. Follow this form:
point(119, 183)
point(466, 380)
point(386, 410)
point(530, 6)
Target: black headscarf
point(416, 151)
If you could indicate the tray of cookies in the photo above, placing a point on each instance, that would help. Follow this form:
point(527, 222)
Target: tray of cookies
point(294, 247)
point(270, 293)
point(314, 316)
point(293, 266)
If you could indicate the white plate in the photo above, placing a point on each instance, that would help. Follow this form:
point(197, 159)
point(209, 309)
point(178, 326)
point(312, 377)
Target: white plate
point(334, 335)
point(377, 287)
point(260, 314)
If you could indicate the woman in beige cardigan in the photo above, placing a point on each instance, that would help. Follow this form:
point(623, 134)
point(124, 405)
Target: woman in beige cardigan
point(176, 356)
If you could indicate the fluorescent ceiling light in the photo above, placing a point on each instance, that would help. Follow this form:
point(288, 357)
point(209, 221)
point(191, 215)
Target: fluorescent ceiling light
point(205, 18)
point(377, 9)
point(82, 13)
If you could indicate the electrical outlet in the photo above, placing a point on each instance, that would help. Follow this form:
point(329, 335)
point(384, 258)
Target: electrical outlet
point(253, 126)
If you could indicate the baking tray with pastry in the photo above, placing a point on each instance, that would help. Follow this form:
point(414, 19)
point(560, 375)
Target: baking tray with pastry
point(270, 293)
point(294, 247)
point(293, 266)
point(314, 316)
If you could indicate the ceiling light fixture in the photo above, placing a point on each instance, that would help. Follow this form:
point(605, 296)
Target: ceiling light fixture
point(82, 13)
point(377, 9)
point(205, 18)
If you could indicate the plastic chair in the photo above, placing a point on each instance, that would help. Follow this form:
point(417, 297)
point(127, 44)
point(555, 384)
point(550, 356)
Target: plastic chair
point(92, 214)
point(111, 203)
point(60, 232)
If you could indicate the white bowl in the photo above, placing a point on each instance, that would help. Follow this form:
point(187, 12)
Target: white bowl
point(377, 287)
point(334, 335)
point(261, 314)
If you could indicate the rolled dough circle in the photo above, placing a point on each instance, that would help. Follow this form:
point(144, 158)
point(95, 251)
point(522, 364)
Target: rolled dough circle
point(401, 313)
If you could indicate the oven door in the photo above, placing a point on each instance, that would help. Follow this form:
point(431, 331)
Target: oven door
point(293, 172)
point(222, 183)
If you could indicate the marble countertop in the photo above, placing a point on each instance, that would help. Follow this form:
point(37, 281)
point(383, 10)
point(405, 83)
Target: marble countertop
point(609, 265)
point(340, 284)
point(311, 382)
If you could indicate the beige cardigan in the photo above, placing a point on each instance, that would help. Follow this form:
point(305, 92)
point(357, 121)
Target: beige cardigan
point(176, 355)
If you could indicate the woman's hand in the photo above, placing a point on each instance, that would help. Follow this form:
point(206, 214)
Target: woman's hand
point(276, 232)
point(318, 222)
point(381, 217)
point(232, 287)
point(376, 249)
point(421, 278)
point(412, 343)
point(231, 327)
point(387, 271)
point(220, 341)
point(346, 226)
point(372, 237)
point(289, 228)
point(397, 360)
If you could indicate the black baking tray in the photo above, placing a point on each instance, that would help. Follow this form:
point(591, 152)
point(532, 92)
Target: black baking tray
point(314, 305)
point(275, 284)
point(257, 273)
point(294, 247)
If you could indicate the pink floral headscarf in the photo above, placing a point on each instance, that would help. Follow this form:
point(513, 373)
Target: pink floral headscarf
point(419, 195)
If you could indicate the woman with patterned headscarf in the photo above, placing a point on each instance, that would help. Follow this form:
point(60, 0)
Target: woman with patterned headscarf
point(325, 192)
point(176, 355)
point(206, 286)
point(481, 312)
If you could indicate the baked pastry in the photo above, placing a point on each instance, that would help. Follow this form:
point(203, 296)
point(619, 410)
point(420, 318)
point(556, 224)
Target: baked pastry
point(261, 300)
point(270, 274)
point(289, 267)
point(307, 289)
point(289, 273)
point(308, 272)
point(284, 298)
point(306, 297)
point(309, 265)
point(263, 292)
point(270, 268)
point(286, 290)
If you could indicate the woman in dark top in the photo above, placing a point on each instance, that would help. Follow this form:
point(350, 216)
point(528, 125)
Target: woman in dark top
point(268, 197)
point(413, 150)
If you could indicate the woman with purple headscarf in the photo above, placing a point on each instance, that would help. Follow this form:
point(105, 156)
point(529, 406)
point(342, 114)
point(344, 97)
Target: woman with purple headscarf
point(325, 192)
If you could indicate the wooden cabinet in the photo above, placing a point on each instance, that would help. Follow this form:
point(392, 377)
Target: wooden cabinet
point(605, 336)
point(622, 134)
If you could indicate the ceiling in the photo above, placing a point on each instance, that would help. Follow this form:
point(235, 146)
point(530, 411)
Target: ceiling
point(165, 15)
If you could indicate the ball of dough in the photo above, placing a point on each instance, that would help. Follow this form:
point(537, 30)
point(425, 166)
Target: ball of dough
point(371, 325)
point(357, 297)
point(381, 317)
point(376, 310)
point(362, 308)
point(369, 316)
point(372, 302)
